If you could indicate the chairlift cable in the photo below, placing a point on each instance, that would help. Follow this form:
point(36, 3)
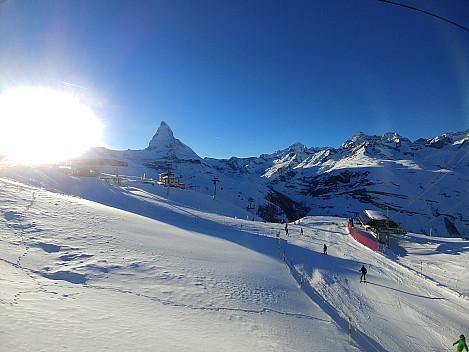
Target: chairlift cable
point(425, 12)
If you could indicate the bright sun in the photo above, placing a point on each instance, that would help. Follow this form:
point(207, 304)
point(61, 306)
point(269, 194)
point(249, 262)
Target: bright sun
point(39, 125)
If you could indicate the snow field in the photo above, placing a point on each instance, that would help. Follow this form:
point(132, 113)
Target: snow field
point(82, 276)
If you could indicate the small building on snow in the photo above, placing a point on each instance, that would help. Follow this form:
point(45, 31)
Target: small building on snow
point(376, 221)
point(168, 179)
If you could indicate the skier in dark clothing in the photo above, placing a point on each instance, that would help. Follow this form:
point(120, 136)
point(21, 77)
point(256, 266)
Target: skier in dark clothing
point(325, 249)
point(461, 344)
point(363, 271)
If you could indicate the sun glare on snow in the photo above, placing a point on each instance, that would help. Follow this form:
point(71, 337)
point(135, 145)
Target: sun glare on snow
point(39, 125)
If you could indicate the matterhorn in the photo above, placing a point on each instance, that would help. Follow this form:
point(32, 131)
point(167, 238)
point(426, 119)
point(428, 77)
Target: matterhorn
point(165, 145)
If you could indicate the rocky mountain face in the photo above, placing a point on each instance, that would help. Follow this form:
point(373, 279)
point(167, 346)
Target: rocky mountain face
point(165, 145)
point(424, 185)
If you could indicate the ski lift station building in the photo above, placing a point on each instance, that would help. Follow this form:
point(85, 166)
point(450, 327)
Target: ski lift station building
point(377, 221)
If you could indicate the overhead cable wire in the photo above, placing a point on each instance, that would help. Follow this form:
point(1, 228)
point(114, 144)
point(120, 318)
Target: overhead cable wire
point(425, 12)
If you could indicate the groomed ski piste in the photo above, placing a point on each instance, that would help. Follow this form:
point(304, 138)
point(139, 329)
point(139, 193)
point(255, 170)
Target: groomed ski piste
point(88, 266)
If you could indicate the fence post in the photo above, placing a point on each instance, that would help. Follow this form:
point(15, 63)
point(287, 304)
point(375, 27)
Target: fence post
point(349, 328)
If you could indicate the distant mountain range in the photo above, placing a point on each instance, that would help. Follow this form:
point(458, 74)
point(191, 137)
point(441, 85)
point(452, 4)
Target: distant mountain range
point(423, 185)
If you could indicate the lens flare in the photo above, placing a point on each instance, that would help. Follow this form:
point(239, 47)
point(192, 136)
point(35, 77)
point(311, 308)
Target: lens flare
point(39, 125)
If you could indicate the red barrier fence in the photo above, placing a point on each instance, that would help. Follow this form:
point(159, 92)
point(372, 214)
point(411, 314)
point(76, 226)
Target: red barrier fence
point(363, 238)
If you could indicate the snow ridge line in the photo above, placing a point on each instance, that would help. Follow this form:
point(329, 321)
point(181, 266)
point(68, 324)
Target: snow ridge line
point(330, 310)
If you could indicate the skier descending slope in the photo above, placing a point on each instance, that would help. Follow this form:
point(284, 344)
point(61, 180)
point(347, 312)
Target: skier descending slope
point(461, 344)
point(363, 271)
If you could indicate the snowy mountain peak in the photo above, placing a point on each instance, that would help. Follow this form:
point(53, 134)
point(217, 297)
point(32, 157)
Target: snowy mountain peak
point(392, 137)
point(163, 137)
point(359, 138)
point(356, 140)
point(297, 147)
point(166, 144)
point(448, 138)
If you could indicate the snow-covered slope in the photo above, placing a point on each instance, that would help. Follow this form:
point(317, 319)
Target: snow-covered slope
point(84, 276)
point(80, 276)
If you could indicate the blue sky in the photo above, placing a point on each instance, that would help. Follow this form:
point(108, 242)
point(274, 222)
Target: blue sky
point(242, 78)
